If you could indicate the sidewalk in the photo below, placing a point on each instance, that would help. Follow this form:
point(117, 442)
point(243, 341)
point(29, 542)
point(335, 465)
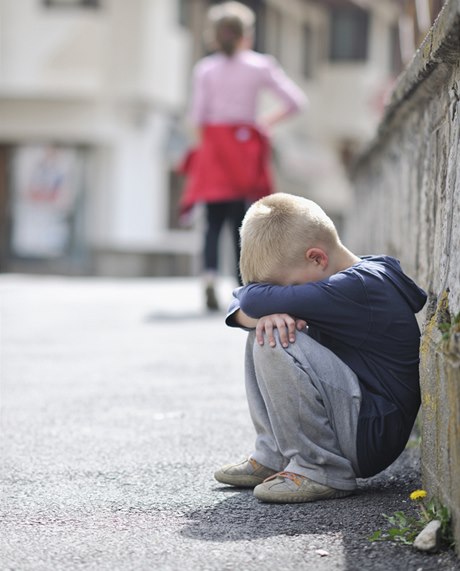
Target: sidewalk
point(119, 400)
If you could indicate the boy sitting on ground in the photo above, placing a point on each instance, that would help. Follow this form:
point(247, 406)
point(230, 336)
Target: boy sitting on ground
point(332, 356)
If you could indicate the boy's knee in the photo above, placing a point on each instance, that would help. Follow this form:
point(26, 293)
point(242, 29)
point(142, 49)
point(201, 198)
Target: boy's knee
point(265, 352)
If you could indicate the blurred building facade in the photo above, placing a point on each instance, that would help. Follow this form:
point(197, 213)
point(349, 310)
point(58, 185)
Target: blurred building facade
point(93, 105)
point(91, 87)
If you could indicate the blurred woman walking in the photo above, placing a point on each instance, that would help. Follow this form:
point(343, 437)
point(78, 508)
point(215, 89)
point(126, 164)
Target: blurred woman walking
point(230, 168)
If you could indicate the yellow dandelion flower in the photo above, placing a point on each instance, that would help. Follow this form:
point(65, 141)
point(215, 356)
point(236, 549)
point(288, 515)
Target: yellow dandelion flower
point(418, 495)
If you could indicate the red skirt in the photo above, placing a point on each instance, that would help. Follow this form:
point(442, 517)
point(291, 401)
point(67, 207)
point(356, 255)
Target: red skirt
point(231, 163)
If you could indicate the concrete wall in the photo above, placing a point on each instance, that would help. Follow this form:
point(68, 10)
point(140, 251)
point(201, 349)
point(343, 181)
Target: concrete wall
point(407, 204)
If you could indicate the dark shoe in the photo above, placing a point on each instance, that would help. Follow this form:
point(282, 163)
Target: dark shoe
point(211, 299)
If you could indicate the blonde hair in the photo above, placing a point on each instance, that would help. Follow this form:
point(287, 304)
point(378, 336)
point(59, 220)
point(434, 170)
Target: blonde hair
point(231, 21)
point(277, 231)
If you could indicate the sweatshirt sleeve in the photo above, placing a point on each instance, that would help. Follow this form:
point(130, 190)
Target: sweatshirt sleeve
point(335, 307)
point(259, 299)
point(279, 83)
point(232, 309)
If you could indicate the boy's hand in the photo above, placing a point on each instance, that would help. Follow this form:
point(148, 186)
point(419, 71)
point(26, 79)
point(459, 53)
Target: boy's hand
point(285, 324)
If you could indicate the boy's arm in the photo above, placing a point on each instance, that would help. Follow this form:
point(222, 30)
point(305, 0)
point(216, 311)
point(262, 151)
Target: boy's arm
point(237, 318)
point(259, 299)
point(244, 320)
point(314, 300)
point(336, 305)
point(285, 324)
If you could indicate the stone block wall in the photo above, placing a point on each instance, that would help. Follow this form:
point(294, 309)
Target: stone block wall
point(407, 204)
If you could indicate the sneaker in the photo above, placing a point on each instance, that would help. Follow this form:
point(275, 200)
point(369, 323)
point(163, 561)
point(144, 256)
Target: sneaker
point(289, 488)
point(246, 474)
point(211, 300)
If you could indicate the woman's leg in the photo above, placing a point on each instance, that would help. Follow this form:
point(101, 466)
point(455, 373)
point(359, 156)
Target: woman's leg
point(216, 213)
point(236, 212)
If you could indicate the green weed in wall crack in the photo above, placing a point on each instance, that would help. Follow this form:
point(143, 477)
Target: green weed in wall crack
point(450, 330)
point(405, 528)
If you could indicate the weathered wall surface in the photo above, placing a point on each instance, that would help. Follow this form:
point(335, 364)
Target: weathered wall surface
point(407, 204)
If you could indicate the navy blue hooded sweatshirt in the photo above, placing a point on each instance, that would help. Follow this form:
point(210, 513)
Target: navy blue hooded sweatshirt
point(365, 315)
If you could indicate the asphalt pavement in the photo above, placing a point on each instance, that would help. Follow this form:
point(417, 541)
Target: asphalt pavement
point(119, 399)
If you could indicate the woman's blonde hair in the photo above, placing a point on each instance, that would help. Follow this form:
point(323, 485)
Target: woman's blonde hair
point(230, 21)
point(277, 231)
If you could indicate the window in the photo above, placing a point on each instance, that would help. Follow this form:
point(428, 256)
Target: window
point(348, 34)
point(176, 185)
point(184, 13)
point(274, 32)
point(72, 3)
point(395, 51)
point(307, 51)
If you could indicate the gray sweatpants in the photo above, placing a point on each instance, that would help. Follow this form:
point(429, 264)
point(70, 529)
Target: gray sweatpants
point(304, 403)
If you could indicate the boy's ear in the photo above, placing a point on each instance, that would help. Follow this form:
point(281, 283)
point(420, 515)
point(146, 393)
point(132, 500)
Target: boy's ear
point(317, 256)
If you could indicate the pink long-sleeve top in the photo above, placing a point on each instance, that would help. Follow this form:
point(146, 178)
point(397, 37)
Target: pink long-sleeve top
point(226, 89)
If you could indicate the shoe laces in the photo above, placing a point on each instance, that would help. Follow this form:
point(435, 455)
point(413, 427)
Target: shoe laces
point(296, 478)
point(254, 463)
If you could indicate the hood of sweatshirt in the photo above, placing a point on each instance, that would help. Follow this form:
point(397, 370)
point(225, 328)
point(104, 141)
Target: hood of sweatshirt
point(414, 295)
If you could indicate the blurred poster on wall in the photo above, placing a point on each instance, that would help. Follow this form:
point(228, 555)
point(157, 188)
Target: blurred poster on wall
point(45, 183)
